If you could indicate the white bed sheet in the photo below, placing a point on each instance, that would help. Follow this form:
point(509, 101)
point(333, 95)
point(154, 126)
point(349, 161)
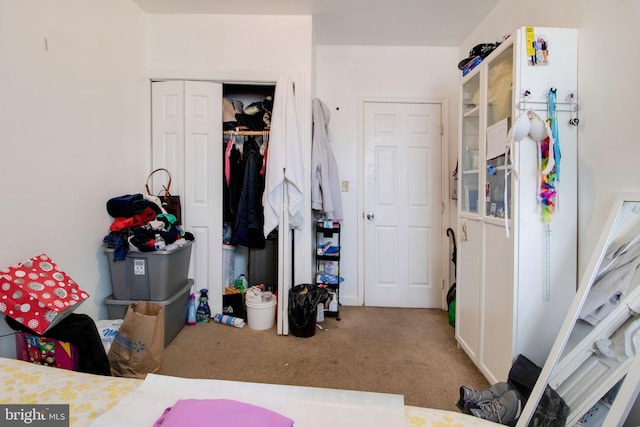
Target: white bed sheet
point(307, 406)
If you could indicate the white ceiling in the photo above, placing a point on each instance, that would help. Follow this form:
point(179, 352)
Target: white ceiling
point(355, 22)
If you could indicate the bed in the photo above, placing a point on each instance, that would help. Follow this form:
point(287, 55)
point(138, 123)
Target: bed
point(100, 401)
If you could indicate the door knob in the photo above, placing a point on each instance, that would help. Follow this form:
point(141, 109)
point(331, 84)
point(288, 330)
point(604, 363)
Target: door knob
point(370, 215)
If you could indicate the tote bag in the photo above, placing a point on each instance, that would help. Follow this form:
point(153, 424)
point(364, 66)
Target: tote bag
point(170, 202)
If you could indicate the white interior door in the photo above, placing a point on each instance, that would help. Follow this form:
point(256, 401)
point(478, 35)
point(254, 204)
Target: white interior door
point(187, 129)
point(402, 202)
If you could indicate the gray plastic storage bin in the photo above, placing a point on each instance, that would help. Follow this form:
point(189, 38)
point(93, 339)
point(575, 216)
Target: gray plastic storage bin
point(176, 310)
point(149, 275)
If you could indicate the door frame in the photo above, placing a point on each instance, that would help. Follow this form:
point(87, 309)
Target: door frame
point(444, 186)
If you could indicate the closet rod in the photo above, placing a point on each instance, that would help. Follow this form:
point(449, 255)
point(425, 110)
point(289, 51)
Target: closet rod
point(246, 132)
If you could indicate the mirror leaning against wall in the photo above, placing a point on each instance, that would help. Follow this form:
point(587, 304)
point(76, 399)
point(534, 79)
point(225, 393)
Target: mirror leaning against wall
point(593, 364)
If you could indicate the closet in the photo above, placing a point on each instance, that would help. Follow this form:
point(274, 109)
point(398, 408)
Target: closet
point(189, 139)
point(246, 123)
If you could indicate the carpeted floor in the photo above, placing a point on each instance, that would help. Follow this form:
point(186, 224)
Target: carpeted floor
point(411, 352)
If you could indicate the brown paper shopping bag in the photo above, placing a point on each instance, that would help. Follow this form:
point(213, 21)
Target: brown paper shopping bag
point(138, 348)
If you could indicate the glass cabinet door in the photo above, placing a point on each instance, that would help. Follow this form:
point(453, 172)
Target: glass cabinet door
point(469, 154)
point(499, 108)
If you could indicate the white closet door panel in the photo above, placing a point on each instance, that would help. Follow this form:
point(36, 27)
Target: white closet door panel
point(201, 255)
point(168, 134)
point(186, 140)
point(203, 184)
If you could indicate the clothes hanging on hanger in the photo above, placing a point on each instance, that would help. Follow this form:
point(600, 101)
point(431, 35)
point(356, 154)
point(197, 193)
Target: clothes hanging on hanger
point(248, 229)
point(263, 152)
point(285, 168)
point(325, 181)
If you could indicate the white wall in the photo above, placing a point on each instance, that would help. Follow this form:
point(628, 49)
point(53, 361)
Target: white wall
point(608, 151)
point(73, 100)
point(608, 146)
point(345, 74)
point(229, 47)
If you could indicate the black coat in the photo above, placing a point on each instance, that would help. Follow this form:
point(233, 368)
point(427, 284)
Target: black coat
point(248, 230)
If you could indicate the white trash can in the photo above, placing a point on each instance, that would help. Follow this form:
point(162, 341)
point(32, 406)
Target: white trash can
point(261, 315)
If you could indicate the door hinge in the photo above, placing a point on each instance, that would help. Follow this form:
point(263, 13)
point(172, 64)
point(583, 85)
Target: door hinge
point(441, 129)
point(442, 287)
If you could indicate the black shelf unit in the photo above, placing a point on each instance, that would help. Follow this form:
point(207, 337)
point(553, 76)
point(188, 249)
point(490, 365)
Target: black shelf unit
point(328, 264)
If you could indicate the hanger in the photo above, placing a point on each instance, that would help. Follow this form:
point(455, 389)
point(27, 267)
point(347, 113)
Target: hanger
point(265, 141)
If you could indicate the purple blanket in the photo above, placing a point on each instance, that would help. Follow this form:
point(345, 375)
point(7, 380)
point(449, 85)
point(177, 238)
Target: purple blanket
point(220, 413)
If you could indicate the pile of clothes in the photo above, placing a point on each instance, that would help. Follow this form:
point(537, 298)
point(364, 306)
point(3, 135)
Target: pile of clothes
point(137, 221)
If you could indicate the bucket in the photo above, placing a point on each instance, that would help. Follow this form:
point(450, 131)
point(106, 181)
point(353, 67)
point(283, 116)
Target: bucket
point(261, 315)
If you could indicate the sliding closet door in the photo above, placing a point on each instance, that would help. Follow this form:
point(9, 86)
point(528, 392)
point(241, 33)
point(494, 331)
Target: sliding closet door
point(186, 140)
point(167, 146)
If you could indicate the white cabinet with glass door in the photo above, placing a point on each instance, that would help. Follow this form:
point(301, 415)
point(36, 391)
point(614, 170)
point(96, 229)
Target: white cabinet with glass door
point(516, 272)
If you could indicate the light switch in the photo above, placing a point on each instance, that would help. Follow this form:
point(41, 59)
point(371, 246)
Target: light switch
point(345, 186)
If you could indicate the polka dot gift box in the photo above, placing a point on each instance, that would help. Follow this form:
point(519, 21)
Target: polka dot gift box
point(38, 294)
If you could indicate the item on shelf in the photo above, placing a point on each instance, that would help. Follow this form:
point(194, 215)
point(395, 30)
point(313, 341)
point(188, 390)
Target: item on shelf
point(241, 283)
point(473, 63)
point(322, 248)
point(478, 53)
point(203, 313)
point(329, 279)
point(333, 304)
point(233, 303)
